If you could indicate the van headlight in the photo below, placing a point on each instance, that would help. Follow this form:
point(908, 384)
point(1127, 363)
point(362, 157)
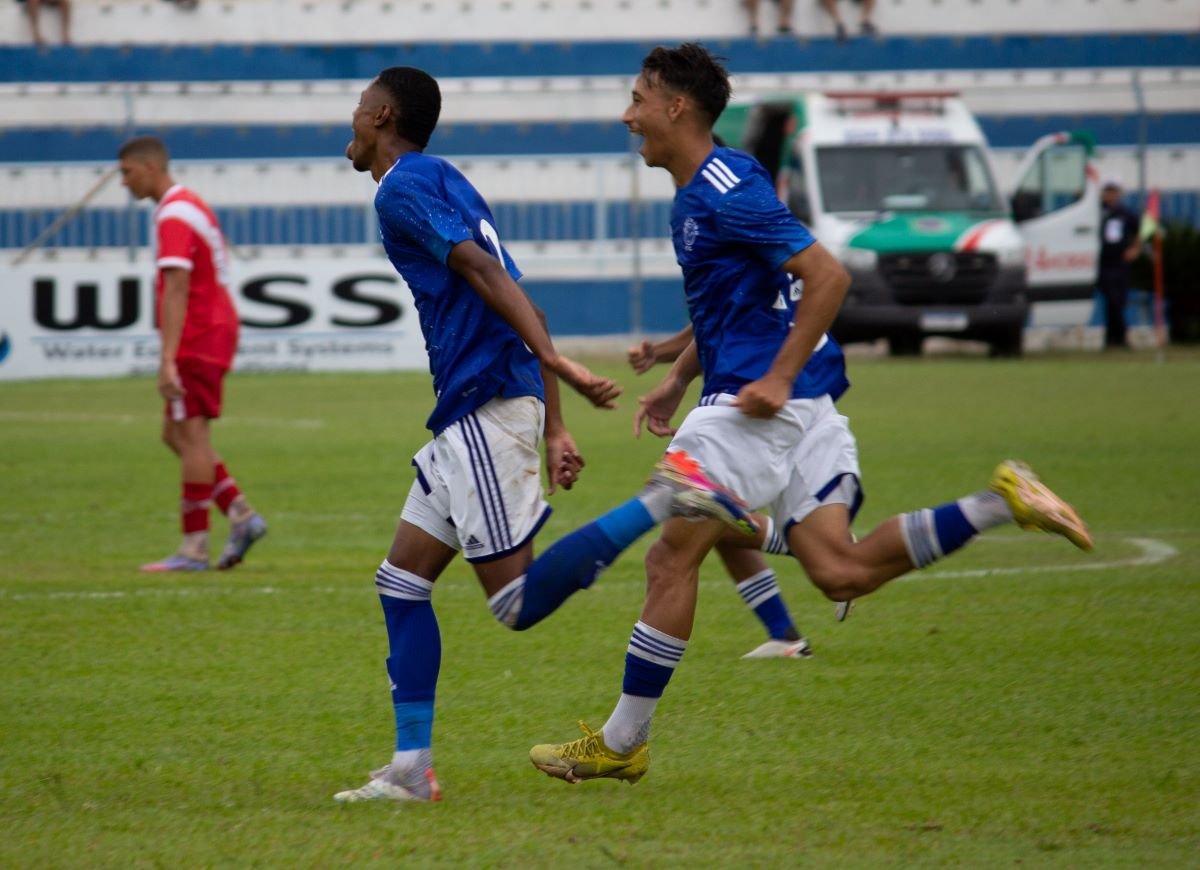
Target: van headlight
point(860, 259)
point(1010, 258)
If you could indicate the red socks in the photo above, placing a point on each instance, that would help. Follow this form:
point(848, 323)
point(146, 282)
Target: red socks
point(224, 489)
point(194, 506)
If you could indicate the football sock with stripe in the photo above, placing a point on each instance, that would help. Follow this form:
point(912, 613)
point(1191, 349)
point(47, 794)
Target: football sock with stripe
point(225, 488)
point(570, 564)
point(193, 506)
point(774, 541)
point(650, 660)
point(932, 533)
point(415, 654)
point(761, 594)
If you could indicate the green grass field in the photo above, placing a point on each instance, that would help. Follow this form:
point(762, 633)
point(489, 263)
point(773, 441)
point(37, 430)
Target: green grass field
point(1019, 703)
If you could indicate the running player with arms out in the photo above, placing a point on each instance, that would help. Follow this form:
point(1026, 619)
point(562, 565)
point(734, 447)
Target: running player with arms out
point(478, 487)
point(766, 419)
point(199, 330)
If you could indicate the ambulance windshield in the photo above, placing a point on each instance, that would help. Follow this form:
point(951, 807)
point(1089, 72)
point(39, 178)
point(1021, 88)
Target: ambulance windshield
point(885, 178)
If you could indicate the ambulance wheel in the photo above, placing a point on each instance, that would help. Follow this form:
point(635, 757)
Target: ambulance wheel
point(1007, 343)
point(905, 344)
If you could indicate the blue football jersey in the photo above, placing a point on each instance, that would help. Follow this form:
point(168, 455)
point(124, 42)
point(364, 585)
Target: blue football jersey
point(425, 208)
point(731, 235)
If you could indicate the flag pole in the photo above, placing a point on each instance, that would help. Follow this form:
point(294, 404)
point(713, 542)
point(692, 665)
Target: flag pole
point(1160, 320)
point(1151, 230)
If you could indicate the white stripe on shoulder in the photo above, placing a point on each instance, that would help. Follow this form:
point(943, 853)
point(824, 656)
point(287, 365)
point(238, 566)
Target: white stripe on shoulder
point(198, 221)
point(714, 180)
point(718, 164)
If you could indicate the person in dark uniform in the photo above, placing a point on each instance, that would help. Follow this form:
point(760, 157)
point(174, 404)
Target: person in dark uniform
point(1118, 249)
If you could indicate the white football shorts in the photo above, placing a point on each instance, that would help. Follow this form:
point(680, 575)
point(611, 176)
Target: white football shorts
point(826, 472)
point(479, 483)
point(801, 458)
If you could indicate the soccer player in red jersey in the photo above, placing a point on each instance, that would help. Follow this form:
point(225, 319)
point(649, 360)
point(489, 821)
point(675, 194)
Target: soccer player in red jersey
point(199, 328)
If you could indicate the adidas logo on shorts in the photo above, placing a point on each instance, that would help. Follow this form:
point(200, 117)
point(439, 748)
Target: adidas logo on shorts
point(473, 543)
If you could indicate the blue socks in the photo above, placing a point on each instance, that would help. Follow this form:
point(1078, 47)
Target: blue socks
point(761, 594)
point(570, 564)
point(932, 533)
point(650, 660)
point(415, 647)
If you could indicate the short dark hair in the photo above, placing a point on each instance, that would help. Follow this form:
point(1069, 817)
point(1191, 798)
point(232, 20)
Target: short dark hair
point(416, 99)
point(144, 147)
point(691, 70)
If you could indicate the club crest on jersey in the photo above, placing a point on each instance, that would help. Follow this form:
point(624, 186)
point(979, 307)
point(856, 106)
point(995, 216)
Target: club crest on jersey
point(690, 230)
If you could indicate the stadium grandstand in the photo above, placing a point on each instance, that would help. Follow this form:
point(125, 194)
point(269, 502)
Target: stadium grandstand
point(254, 99)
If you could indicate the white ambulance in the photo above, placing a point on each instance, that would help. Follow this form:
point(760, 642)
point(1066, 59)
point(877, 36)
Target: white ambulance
point(900, 187)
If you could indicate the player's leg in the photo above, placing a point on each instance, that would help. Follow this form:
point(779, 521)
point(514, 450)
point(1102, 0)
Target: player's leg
point(620, 749)
point(501, 508)
point(845, 569)
point(424, 544)
point(756, 584)
point(742, 456)
point(246, 525)
point(189, 438)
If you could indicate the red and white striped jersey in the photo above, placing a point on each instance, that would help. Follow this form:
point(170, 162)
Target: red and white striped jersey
point(187, 236)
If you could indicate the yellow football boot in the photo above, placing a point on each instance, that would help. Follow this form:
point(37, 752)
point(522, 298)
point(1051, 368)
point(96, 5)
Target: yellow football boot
point(589, 758)
point(1035, 506)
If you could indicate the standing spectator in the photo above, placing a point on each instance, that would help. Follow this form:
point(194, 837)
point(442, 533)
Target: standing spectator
point(34, 8)
point(1118, 249)
point(199, 329)
point(868, 28)
point(785, 15)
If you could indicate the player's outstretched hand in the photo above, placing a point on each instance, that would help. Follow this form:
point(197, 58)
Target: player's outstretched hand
point(641, 357)
point(763, 398)
point(563, 461)
point(601, 392)
point(656, 409)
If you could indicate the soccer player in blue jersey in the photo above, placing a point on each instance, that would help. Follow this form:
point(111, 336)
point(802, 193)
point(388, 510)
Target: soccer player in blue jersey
point(478, 488)
point(766, 424)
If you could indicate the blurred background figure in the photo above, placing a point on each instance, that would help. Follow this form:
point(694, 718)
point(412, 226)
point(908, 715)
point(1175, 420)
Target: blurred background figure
point(868, 27)
point(784, 20)
point(34, 8)
point(1118, 249)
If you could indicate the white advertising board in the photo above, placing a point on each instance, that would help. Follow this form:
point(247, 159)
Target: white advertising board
point(97, 319)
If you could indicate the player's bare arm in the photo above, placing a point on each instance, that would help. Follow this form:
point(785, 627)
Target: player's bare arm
point(495, 286)
point(825, 285)
point(658, 407)
point(642, 357)
point(563, 460)
point(174, 310)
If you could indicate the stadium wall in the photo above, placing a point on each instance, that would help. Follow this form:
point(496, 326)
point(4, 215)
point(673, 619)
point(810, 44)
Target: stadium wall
point(254, 100)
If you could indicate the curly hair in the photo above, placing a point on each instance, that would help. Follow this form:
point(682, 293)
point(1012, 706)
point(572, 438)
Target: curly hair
point(417, 101)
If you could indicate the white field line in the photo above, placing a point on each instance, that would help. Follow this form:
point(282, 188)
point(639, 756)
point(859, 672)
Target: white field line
point(127, 419)
point(1152, 552)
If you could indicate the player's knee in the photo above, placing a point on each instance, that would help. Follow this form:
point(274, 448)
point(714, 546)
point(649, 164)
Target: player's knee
point(839, 580)
point(667, 566)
